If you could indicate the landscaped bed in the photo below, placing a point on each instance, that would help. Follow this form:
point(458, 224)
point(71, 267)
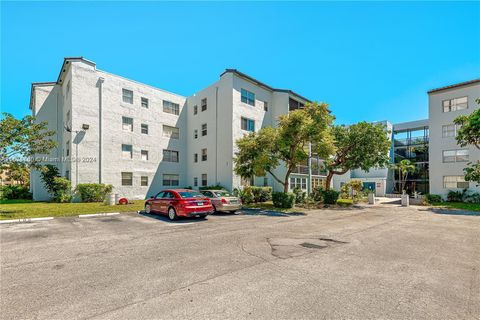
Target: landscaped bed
point(458, 205)
point(19, 209)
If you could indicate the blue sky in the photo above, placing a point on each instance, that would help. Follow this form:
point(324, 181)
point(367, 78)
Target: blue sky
point(368, 60)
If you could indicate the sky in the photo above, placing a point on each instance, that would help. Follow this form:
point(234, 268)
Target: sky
point(369, 61)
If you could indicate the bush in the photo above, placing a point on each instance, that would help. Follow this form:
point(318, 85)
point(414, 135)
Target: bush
point(299, 195)
point(456, 196)
point(63, 189)
point(432, 198)
point(473, 198)
point(317, 194)
point(215, 187)
point(93, 192)
point(283, 200)
point(261, 194)
point(245, 195)
point(15, 192)
point(345, 202)
point(330, 196)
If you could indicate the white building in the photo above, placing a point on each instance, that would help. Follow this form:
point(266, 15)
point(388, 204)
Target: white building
point(447, 158)
point(141, 139)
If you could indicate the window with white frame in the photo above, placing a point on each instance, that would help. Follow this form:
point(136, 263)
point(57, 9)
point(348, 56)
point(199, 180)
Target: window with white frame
point(127, 178)
point(144, 128)
point(248, 97)
point(144, 155)
point(144, 102)
point(204, 104)
point(298, 182)
point(127, 124)
point(204, 154)
point(171, 180)
point(127, 151)
point(248, 124)
point(455, 182)
point(170, 155)
point(204, 129)
point(455, 104)
point(265, 181)
point(171, 107)
point(144, 181)
point(460, 155)
point(204, 180)
point(448, 130)
point(171, 132)
point(127, 96)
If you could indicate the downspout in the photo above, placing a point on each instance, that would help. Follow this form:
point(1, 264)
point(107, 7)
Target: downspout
point(100, 128)
point(309, 190)
point(216, 135)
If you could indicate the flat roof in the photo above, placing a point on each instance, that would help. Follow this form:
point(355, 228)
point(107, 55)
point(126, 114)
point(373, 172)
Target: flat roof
point(461, 84)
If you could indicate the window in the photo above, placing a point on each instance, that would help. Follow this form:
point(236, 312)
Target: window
point(170, 107)
point(265, 106)
point(195, 134)
point(195, 157)
point(67, 148)
point(265, 181)
point(448, 130)
point(461, 155)
point(127, 96)
point(204, 154)
point(171, 132)
point(195, 109)
point(248, 124)
point(204, 129)
point(294, 104)
point(144, 154)
point(195, 182)
point(144, 128)
point(298, 183)
point(143, 181)
point(170, 180)
point(127, 151)
point(204, 104)
point(127, 178)
point(204, 180)
point(455, 182)
point(144, 102)
point(455, 104)
point(67, 174)
point(127, 124)
point(248, 97)
point(170, 155)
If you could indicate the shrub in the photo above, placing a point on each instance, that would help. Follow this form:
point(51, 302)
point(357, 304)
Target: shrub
point(15, 192)
point(330, 196)
point(261, 194)
point(456, 196)
point(62, 189)
point(245, 195)
point(317, 194)
point(345, 202)
point(283, 200)
point(472, 198)
point(93, 192)
point(299, 195)
point(215, 187)
point(432, 198)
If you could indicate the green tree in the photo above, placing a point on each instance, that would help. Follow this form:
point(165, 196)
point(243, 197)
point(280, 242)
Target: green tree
point(469, 134)
point(262, 152)
point(22, 139)
point(359, 146)
point(18, 172)
point(404, 167)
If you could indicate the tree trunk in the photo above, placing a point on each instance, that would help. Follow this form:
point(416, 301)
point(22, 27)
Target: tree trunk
point(328, 182)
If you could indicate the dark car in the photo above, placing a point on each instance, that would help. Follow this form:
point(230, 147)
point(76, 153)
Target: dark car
point(179, 203)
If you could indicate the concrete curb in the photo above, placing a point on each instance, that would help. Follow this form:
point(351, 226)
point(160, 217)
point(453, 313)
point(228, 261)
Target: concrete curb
point(25, 220)
point(98, 214)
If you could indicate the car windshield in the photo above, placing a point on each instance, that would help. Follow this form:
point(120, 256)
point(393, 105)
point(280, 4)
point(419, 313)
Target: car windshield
point(223, 193)
point(190, 194)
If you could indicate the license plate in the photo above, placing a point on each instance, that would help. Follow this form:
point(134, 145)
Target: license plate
point(233, 201)
point(199, 203)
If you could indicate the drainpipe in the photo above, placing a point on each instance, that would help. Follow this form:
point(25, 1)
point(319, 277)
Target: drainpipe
point(216, 135)
point(309, 190)
point(100, 127)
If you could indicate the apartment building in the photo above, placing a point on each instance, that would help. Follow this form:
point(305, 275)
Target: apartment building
point(446, 158)
point(141, 139)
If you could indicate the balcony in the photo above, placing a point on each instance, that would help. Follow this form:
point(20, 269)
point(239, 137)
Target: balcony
point(316, 171)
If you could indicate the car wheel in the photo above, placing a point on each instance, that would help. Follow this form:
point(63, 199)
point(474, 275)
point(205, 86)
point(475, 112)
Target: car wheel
point(172, 214)
point(148, 208)
point(214, 208)
point(233, 211)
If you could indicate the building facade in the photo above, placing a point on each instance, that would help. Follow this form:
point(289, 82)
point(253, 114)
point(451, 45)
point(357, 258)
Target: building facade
point(446, 158)
point(142, 139)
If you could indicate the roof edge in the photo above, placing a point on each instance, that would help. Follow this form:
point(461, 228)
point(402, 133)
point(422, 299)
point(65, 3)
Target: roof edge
point(457, 85)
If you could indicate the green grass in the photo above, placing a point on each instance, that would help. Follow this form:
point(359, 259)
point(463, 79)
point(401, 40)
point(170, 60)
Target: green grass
point(269, 206)
point(345, 202)
point(458, 205)
point(19, 209)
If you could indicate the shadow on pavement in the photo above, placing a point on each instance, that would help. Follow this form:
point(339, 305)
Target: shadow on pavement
point(270, 213)
point(163, 218)
point(453, 212)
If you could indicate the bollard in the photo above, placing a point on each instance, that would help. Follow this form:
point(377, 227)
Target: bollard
point(111, 199)
point(117, 197)
point(371, 198)
point(405, 200)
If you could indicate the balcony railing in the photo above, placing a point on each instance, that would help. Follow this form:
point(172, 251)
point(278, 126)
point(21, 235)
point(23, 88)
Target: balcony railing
point(315, 171)
point(410, 141)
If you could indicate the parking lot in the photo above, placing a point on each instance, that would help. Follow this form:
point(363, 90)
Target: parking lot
point(382, 262)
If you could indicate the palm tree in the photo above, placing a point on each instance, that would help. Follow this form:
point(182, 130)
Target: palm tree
point(404, 167)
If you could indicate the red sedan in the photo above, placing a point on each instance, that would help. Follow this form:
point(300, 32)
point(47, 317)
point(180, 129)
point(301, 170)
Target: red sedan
point(179, 203)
